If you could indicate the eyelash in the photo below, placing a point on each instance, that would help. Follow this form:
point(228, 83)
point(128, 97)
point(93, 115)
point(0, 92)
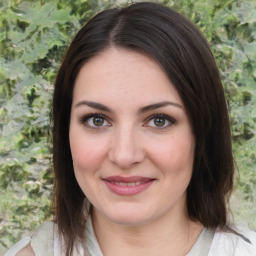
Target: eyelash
point(85, 121)
point(164, 117)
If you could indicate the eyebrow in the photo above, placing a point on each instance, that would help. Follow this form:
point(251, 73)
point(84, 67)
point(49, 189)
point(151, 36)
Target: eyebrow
point(158, 105)
point(93, 105)
point(140, 111)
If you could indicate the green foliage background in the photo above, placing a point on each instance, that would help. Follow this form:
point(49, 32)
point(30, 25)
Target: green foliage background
point(34, 35)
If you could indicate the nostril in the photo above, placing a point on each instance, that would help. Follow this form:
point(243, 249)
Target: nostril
point(125, 149)
point(126, 156)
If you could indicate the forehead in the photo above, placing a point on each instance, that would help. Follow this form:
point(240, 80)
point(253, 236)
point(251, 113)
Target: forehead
point(127, 75)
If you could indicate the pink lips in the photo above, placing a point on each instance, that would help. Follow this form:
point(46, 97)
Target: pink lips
point(127, 186)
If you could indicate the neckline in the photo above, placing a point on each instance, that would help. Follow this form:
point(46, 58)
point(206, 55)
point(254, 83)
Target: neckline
point(202, 244)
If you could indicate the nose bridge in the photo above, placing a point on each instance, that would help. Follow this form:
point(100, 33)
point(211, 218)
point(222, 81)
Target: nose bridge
point(126, 149)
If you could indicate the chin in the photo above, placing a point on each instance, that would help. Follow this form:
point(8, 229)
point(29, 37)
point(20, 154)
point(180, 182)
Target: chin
point(129, 218)
point(129, 222)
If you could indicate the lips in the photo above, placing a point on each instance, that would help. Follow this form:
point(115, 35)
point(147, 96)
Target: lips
point(127, 186)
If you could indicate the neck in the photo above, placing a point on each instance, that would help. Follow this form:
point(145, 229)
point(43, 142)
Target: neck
point(164, 236)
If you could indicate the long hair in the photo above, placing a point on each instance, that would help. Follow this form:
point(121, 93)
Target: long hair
point(183, 53)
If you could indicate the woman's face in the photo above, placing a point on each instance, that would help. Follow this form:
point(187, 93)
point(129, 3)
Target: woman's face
point(131, 140)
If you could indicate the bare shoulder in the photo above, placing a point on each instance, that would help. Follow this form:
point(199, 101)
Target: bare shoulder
point(26, 251)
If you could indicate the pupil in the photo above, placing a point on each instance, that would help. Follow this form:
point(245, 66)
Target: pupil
point(98, 121)
point(159, 122)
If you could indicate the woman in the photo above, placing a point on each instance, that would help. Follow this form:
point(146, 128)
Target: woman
point(142, 145)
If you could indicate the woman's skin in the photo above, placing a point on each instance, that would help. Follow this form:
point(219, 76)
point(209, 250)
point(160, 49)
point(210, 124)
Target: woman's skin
point(26, 251)
point(133, 150)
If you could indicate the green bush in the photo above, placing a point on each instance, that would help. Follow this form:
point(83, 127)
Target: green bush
point(34, 35)
point(230, 27)
point(232, 34)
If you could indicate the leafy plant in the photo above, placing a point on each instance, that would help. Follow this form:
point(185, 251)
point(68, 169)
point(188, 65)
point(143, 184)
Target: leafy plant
point(230, 27)
point(34, 35)
point(33, 38)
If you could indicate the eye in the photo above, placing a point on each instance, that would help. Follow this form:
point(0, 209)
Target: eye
point(94, 121)
point(160, 121)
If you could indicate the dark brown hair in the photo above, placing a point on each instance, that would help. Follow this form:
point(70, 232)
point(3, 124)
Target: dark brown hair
point(178, 46)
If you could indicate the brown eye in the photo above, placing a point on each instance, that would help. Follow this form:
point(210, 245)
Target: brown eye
point(94, 121)
point(159, 122)
point(98, 121)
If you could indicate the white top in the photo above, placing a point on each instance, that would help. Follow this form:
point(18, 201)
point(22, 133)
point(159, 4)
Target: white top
point(229, 244)
point(203, 243)
point(45, 242)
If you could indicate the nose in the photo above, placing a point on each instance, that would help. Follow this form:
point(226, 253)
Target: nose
point(126, 149)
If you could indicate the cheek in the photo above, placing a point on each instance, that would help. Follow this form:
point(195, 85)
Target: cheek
point(175, 156)
point(87, 153)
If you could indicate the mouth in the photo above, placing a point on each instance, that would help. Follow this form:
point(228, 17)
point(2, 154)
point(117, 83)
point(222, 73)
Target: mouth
point(127, 186)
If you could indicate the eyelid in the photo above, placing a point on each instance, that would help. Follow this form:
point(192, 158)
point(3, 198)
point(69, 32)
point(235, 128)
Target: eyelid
point(161, 115)
point(83, 120)
point(86, 117)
